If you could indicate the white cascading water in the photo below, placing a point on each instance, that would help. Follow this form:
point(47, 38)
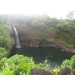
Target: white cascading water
point(17, 38)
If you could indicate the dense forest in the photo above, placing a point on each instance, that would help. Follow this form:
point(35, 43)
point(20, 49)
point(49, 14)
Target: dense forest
point(40, 30)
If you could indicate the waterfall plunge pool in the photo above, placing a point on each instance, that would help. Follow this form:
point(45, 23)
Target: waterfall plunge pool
point(39, 54)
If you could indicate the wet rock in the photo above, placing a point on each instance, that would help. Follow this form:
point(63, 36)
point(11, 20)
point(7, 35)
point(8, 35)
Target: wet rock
point(66, 71)
point(35, 71)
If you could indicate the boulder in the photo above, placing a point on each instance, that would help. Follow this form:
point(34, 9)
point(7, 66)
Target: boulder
point(35, 71)
point(66, 71)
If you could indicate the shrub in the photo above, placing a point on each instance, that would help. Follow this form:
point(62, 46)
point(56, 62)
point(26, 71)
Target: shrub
point(3, 53)
point(72, 63)
point(66, 63)
point(7, 72)
point(18, 65)
point(2, 62)
point(69, 63)
point(55, 71)
point(18, 59)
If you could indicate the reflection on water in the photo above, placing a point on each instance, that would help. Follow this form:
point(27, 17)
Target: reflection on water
point(55, 56)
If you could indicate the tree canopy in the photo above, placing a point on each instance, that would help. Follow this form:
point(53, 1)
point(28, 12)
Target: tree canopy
point(6, 41)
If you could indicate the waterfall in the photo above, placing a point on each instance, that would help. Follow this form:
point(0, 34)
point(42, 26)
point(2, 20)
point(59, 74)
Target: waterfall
point(17, 38)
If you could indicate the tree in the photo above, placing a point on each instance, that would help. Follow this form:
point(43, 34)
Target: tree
point(70, 15)
point(1, 20)
point(6, 41)
point(3, 52)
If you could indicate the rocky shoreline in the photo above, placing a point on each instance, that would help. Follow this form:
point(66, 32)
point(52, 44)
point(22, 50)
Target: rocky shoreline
point(63, 71)
point(38, 43)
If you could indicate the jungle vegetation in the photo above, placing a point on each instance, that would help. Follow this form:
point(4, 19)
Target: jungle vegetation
point(37, 27)
point(44, 28)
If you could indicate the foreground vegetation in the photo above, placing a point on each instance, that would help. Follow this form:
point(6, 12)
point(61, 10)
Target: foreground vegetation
point(18, 65)
point(21, 65)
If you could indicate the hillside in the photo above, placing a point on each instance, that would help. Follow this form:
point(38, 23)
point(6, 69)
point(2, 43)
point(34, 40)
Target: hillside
point(42, 31)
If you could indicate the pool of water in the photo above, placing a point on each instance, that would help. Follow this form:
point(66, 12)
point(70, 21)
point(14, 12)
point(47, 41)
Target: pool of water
point(39, 54)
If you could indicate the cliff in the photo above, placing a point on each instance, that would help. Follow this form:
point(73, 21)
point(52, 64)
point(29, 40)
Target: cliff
point(41, 31)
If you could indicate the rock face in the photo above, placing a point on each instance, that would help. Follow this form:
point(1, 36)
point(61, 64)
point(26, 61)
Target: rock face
point(66, 71)
point(35, 71)
point(26, 41)
point(38, 43)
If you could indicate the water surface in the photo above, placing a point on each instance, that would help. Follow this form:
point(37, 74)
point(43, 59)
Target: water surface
point(55, 56)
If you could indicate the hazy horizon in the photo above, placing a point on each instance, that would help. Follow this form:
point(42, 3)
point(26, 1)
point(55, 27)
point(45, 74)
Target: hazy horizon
point(53, 8)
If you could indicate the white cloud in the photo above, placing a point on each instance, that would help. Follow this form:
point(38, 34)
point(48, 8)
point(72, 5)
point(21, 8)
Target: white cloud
point(55, 8)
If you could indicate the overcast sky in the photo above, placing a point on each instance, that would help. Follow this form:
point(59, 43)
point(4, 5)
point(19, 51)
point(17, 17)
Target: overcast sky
point(54, 8)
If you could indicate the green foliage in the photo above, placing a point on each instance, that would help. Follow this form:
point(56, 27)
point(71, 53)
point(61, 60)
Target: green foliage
point(2, 63)
point(17, 59)
point(7, 72)
point(18, 65)
point(24, 68)
point(69, 63)
point(66, 32)
point(41, 66)
point(3, 53)
point(5, 40)
point(66, 63)
point(12, 65)
point(72, 62)
point(55, 71)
